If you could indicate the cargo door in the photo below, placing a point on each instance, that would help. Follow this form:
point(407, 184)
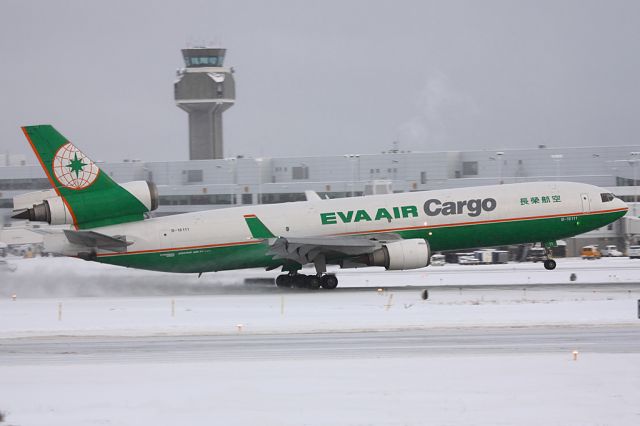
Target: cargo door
point(586, 203)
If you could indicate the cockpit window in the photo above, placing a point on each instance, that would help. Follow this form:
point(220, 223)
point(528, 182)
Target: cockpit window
point(607, 196)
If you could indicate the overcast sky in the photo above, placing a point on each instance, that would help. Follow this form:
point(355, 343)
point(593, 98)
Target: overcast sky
point(325, 77)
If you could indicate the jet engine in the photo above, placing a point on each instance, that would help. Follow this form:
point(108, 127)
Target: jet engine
point(403, 254)
point(54, 210)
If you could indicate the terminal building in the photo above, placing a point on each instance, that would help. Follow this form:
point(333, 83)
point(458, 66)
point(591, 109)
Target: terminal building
point(186, 186)
point(209, 181)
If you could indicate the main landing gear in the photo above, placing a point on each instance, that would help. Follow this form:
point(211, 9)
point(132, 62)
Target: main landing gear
point(313, 282)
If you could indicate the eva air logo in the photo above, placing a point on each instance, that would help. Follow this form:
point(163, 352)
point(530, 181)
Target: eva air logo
point(73, 169)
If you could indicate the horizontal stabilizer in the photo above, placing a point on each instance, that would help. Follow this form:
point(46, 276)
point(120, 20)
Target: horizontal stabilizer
point(96, 240)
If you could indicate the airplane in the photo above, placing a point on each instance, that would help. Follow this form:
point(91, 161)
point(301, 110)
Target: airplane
point(109, 222)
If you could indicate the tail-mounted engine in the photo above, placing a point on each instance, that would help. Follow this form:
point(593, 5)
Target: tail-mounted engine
point(102, 205)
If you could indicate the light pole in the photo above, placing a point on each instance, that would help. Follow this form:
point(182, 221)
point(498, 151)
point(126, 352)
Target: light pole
point(499, 154)
point(352, 158)
point(259, 161)
point(395, 163)
point(234, 167)
point(358, 173)
point(634, 163)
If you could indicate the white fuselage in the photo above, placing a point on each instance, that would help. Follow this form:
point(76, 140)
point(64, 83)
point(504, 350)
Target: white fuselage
point(303, 219)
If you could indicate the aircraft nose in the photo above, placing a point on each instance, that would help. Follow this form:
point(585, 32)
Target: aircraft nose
point(621, 204)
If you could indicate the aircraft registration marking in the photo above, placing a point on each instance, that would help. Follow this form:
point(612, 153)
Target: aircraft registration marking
point(184, 229)
point(569, 219)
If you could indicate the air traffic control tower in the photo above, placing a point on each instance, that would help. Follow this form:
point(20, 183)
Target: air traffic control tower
point(205, 89)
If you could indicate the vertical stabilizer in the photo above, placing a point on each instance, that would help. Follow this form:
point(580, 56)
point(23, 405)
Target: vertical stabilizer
point(79, 182)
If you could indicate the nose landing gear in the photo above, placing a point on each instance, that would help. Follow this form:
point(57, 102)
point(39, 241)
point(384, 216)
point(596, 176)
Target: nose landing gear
point(549, 264)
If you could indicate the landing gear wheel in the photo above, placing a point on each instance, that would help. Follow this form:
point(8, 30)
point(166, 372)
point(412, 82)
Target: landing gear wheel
point(283, 281)
point(313, 282)
point(549, 264)
point(329, 282)
point(299, 281)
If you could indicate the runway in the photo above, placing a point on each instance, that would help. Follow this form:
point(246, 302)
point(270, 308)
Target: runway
point(340, 345)
point(597, 287)
point(67, 277)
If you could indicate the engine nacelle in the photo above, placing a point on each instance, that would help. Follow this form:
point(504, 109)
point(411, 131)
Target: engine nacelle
point(54, 210)
point(146, 192)
point(403, 254)
point(30, 199)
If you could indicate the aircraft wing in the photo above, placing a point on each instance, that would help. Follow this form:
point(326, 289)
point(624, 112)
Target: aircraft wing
point(306, 250)
point(312, 249)
point(97, 240)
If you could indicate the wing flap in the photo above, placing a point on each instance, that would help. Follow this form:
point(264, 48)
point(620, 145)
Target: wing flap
point(305, 250)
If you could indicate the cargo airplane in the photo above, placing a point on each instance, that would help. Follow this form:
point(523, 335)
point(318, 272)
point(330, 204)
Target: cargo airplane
point(110, 223)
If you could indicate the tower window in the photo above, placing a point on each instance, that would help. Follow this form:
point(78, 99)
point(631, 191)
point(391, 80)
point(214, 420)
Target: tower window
point(212, 61)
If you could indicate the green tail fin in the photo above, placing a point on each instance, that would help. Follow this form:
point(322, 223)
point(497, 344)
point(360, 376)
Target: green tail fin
point(257, 228)
point(92, 197)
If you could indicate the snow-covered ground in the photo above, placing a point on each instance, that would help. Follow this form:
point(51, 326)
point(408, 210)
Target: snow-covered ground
point(514, 387)
point(51, 309)
point(315, 312)
point(605, 270)
point(67, 277)
point(525, 390)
